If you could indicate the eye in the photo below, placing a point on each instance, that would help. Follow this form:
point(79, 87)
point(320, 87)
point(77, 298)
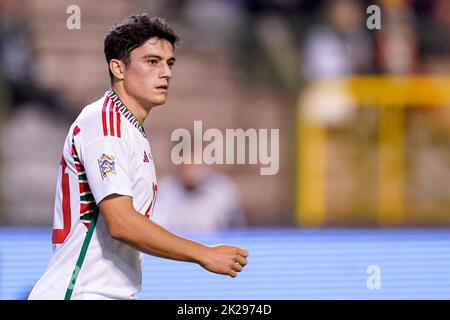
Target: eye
point(171, 64)
point(152, 61)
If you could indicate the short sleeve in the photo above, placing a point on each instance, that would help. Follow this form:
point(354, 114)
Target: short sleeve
point(106, 162)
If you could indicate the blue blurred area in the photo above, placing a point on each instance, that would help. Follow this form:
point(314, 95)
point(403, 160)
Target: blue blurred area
point(283, 264)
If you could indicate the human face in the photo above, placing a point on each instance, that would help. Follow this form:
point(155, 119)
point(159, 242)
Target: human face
point(148, 74)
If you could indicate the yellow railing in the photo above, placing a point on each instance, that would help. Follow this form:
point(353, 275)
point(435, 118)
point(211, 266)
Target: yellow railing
point(392, 95)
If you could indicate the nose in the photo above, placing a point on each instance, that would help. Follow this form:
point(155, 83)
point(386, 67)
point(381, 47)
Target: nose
point(165, 71)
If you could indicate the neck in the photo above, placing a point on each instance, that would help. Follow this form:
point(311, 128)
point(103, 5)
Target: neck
point(133, 104)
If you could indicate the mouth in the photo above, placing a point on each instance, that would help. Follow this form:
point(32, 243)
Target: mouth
point(163, 87)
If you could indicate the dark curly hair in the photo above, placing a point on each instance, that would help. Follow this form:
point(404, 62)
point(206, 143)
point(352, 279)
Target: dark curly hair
point(133, 32)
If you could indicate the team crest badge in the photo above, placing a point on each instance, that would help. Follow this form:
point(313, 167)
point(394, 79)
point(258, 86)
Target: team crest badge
point(107, 165)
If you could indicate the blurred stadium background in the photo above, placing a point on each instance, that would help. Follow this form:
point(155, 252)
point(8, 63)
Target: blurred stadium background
point(364, 123)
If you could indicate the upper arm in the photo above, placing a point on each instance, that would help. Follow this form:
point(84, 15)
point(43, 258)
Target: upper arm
point(116, 210)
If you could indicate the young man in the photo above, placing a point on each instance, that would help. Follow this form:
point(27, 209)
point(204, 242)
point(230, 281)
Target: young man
point(107, 187)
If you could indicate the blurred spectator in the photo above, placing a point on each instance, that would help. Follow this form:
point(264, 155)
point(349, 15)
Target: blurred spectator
point(30, 114)
point(213, 24)
point(196, 198)
point(433, 27)
point(397, 41)
point(16, 64)
point(339, 46)
point(265, 49)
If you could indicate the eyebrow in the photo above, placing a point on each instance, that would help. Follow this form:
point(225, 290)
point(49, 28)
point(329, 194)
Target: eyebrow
point(151, 55)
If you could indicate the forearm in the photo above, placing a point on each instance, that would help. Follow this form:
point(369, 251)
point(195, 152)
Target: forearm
point(150, 238)
point(129, 226)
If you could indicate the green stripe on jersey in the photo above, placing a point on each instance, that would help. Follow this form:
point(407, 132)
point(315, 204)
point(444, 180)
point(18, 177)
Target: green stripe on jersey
point(82, 255)
point(87, 198)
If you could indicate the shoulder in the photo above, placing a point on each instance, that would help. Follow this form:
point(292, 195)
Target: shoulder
point(99, 119)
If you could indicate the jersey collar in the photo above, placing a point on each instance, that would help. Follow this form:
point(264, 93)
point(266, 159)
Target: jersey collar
point(126, 112)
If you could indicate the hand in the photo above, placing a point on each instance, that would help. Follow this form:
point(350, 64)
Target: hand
point(223, 259)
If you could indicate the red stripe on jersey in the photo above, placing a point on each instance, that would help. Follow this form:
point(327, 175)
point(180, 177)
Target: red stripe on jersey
point(118, 121)
point(84, 187)
point(60, 235)
point(105, 128)
point(111, 117)
point(76, 130)
point(74, 151)
point(154, 190)
point(147, 213)
point(79, 167)
point(85, 207)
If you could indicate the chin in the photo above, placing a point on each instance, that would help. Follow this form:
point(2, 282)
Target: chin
point(158, 102)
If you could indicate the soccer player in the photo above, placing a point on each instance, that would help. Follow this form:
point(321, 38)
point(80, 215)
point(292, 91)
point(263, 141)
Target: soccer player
point(106, 188)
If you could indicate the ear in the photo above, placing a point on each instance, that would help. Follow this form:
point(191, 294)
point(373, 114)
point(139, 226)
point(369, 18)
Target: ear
point(117, 68)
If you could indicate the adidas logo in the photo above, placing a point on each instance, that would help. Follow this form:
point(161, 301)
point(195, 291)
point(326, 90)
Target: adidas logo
point(146, 157)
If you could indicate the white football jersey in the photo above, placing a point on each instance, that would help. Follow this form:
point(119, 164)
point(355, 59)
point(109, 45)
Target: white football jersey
point(106, 152)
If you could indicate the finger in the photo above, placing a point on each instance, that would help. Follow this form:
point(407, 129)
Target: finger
point(241, 260)
point(232, 273)
point(243, 252)
point(236, 267)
